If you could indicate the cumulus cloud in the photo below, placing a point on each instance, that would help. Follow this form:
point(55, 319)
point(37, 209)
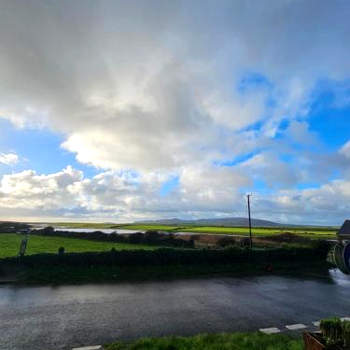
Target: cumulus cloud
point(27, 189)
point(155, 92)
point(127, 196)
point(8, 158)
point(121, 195)
point(144, 90)
point(328, 204)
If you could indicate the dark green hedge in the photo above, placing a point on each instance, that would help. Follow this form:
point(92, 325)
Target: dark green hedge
point(13, 227)
point(167, 256)
point(149, 237)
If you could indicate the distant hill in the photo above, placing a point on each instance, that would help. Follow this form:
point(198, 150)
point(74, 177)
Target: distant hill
point(232, 221)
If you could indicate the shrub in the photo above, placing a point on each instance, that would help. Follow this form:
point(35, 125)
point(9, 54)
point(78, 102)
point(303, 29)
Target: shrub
point(322, 246)
point(13, 227)
point(136, 237)
point(346, 334)
point(150, 237)
point(226, 242)
point(244, 242)
point(332, 332)
point(48, 230)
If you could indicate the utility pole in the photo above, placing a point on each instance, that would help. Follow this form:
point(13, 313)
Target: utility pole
point(250, 223)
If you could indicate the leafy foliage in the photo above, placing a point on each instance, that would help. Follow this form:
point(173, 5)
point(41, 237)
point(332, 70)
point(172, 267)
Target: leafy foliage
point(149, 237)
point(336, 332)
point(224, 341)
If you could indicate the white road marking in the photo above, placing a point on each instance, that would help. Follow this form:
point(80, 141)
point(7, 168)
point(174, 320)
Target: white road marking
point(316, 323)
point(93, 347)
point(294, 327)
point(271, 330)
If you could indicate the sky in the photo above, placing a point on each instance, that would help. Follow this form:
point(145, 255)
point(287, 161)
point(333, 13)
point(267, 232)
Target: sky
point(118, 111)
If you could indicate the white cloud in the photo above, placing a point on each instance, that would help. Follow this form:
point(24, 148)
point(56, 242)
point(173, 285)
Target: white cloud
point(328, 204)
point(151, 88)
point(27, 189)
point(147, 86)
point(345, 150)
point(120, 195)
point(125, 196)
point(8, 158)
point(267, 167)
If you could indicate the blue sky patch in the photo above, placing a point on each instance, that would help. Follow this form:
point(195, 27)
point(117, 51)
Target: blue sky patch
point(330, 113)
point(252, 81)
point(169, 186)
point(37, 149)
point(237, 160)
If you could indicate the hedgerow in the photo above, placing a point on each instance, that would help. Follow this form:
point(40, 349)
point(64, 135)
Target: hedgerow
point(168, 256)
point(149, 237)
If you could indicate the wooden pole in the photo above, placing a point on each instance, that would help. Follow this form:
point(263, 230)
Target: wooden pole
point(250, 223)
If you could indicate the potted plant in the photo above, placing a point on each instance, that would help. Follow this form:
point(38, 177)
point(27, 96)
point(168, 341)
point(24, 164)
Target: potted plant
point(334, 335)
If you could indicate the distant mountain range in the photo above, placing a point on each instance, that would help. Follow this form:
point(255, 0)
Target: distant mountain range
point(232, 221)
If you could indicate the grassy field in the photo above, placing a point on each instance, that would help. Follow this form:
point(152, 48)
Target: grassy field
point(305, 231)
point(9, 245)
point(228, 341)
point(167, 228)
point(257, 231)
point(260, 231)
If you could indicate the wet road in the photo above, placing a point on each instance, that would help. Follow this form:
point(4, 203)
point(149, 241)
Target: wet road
point(64, 317)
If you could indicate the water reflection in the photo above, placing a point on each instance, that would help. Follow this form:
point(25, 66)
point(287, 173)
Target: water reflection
point(106, 230)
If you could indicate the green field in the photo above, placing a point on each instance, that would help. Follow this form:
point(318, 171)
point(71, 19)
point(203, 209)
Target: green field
point(229, 341)
point(167, 228)
point(306, 231)
point(9, 245)
point(259, 231)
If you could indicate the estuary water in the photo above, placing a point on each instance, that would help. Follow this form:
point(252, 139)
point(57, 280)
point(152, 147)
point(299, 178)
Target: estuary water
point(107, 231)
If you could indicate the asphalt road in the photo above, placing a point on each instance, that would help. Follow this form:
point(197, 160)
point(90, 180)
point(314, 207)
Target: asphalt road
point(50, 318)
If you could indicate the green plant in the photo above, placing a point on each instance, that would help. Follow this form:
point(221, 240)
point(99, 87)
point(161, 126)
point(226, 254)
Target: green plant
point(346, 334)
point(332, 331)
point(233, 341)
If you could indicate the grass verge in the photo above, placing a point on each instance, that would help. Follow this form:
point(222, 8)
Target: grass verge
point(224, 341)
